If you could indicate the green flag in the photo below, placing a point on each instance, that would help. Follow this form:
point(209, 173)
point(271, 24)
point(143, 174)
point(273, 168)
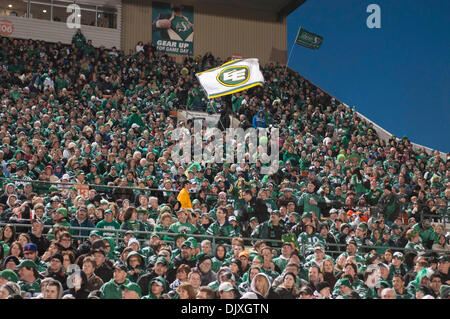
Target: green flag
point(308, 39)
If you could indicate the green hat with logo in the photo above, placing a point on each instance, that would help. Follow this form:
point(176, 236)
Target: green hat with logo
point(21, 164)
point(363, 226)
point(27, 263)
point(382, 284)
point(141, 210)
point(306, 215)
point(53, 189)
point(95, 233)
point(164, 209)
point(276, 212)
point(193, 241)
point(162, 260)
point(62, 211)
point(188, 244)
point(344, 282)
point(9, 275)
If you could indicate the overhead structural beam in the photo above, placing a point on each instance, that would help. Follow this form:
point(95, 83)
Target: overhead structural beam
point(288, 8)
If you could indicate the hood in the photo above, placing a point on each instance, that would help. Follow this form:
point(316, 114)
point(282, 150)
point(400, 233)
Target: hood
point(62, 171)
point(111, 243)
point(260, 113)
point(12, 195)
point(6, 189)
point(215, 253)
point(135, 253)
point(159, 278)
point(266, 278)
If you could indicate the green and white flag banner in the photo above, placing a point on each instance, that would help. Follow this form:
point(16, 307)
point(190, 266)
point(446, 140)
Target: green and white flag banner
point(231, 77)
point(308, 39)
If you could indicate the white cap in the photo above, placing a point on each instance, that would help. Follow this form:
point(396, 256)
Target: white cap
point(249, 295)
point(133, 240)
point(225, 286)
point(66, 176)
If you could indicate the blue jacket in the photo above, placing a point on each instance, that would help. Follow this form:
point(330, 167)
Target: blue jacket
point(259, 121)
point(77, 232)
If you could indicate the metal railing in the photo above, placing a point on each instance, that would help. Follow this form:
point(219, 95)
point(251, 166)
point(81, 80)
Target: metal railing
point(218, 239)
point(26, 181)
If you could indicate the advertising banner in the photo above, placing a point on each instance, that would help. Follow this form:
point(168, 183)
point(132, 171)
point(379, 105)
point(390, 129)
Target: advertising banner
point(173, 28)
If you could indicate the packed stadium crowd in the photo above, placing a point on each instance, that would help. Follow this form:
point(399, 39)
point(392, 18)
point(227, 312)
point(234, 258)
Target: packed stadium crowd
point(346, 216)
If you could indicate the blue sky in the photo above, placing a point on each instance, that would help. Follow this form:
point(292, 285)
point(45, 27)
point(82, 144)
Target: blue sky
point(397, 76)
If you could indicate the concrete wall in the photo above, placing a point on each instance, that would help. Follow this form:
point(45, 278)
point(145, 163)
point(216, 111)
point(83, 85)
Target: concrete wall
point(223, 30)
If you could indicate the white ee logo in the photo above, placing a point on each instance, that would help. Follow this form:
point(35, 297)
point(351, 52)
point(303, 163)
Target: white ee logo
point(235, 75)
point(74, 20)
point(374, 20)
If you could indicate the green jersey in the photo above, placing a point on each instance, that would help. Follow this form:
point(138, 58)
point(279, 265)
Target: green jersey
point(179, 228)
point(105, 226)
point(224, 230)
point(309, 240)
point(32, 288)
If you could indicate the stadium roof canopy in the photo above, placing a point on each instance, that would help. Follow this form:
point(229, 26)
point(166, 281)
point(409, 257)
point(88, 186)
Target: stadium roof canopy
point(282, 7)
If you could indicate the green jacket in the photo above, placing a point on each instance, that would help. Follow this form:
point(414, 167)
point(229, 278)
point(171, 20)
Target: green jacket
point(267, 230)
point(32, 288)
point(307, 206)
point(280, 262)
point(151, 296)
point(225, 230)
point(79, 40)
point(112, 290)
point(428, 235)
point(135, 225)
point(367, 293)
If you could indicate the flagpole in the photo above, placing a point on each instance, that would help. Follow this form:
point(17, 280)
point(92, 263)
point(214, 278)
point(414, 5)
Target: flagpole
point(290, 53)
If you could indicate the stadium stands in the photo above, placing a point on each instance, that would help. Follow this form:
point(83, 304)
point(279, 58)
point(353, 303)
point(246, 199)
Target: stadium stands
point(88, 180)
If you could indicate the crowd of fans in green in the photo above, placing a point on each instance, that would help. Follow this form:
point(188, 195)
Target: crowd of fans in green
point(347, 215)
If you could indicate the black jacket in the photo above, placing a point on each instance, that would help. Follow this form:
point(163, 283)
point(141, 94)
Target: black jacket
point(60, 276)
point(177, 262)
point(41, 243)
point(284, 293)
point(259, 211)
point(82, 293)
point(105, 271)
